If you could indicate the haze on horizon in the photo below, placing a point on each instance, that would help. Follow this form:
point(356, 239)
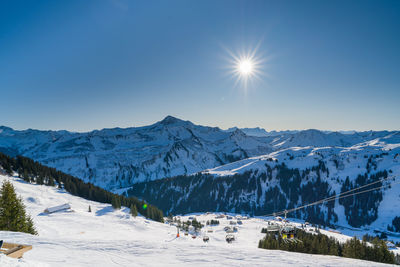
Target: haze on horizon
point(85, 65)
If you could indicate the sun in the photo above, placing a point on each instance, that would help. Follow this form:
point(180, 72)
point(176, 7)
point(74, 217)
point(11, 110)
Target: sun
point(245, 67)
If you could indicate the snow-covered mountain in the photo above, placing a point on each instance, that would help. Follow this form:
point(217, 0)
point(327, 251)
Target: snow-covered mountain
point(117, 158)
point(114, 158)
point(259, 132)
point(217, 170)
point(293, 177)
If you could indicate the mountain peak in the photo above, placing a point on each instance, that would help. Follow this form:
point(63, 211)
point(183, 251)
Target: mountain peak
point(169, 120)
point(238, 132)
point(5, 129)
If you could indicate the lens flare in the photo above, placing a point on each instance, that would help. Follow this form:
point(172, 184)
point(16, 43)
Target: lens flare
point(245, 67)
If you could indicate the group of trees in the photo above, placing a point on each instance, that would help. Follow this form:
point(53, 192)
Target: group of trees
point(185, 224)
point(354, 248)
point(196, 224)
point(322, 244)
point(372, 162)
point(34, 172)
point(255, 193)
point(362, 209)
point(395, 227)
point(150, 211)
point(13, 216)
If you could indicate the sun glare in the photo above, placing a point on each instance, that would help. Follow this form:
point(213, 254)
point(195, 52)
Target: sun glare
point(245, 67)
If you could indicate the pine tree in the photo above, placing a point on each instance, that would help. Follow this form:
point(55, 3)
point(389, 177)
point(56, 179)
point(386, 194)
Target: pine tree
point(51, 181)
point(30, 228)
point(13, 216)
point(134, 211)
point(8, 169)
point(115, 202)
point(349, 249)
point(334, 249)
point(26, 176)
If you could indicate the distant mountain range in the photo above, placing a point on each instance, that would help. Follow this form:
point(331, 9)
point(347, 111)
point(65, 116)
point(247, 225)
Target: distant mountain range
point(239, 170)
point(118, 158)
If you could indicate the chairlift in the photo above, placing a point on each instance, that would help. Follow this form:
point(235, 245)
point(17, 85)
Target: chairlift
point(227, 228)
point(229, 238)
point(288, 233)
point(230, 230)
point(273, 228)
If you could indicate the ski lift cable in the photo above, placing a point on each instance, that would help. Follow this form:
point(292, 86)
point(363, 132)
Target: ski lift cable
point(333, 197)
point(336, 197)
point(353, 194)
point(371, 189)
point(346, 192)
point(339, 196)
point(328, 198)
point(319, 202)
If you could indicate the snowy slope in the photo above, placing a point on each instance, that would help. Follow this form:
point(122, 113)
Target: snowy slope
point(118, 158)
point(112, 238)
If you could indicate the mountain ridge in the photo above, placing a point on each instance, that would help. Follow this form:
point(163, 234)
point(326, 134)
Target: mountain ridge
point(169, 118)
point(120, 157)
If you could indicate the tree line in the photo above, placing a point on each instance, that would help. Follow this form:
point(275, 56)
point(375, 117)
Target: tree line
point(310, 243)
point(252, 192)
point(34, 172)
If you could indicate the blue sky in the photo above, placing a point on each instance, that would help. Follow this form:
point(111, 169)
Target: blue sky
point(83, 65)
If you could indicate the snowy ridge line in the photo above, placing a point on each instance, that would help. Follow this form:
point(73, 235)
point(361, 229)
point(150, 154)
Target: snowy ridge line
point(339, 196)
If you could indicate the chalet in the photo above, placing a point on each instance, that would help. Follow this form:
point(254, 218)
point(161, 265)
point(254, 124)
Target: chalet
point(64, 207)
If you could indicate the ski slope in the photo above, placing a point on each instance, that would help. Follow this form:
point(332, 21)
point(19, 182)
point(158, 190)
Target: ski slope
point(106, 237)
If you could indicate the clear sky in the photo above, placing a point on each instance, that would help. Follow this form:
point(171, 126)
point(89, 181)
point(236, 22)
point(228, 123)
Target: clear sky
point(83, 65)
